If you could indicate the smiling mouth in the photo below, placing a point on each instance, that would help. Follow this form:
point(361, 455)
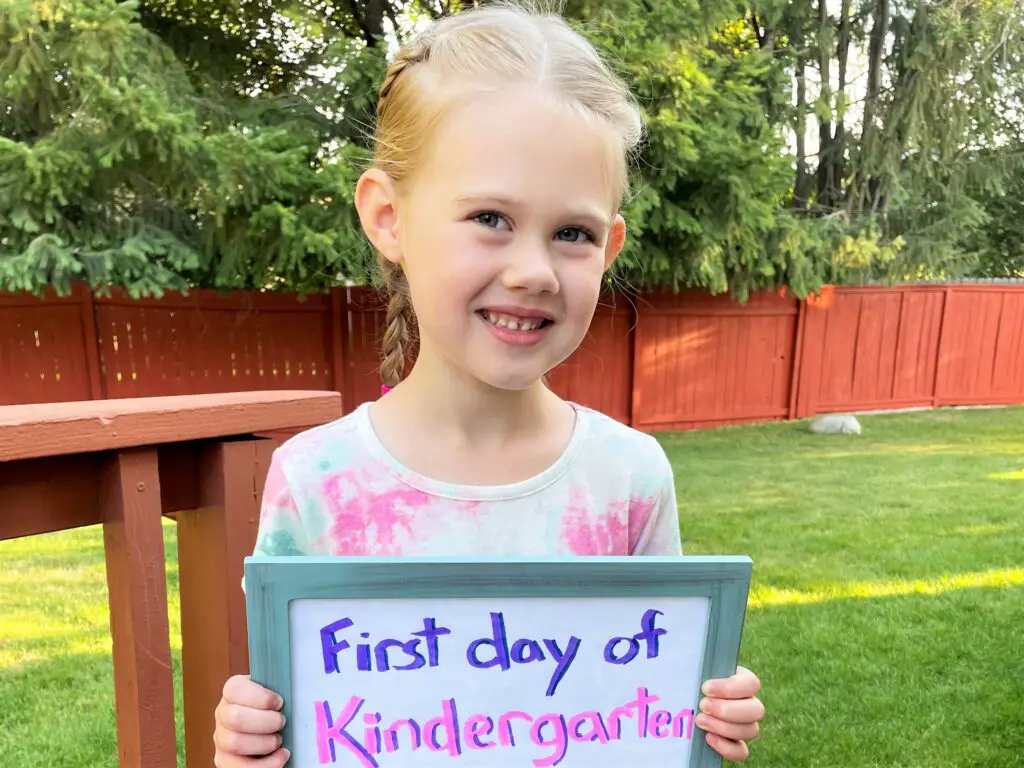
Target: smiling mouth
point(514, 322)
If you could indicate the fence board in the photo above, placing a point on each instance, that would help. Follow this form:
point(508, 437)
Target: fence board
point(43, 352)
point(705, 360)
point(210, 343)
point(874, 348)
point(982, 354)
point(600, 373)
point(366, 323)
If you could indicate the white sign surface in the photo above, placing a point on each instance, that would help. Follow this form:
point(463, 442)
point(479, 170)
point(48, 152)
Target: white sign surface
point(482, 683)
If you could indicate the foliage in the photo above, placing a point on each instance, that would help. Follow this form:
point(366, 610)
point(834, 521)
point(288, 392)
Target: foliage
point(168, 143)
point(915, 152)
point(714, 174)
point(116, 169)
point(999, 244)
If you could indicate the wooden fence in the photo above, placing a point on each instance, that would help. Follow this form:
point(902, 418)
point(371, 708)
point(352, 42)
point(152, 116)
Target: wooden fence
point(657, 362)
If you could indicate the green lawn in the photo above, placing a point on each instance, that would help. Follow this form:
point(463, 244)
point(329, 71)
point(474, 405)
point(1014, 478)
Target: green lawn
point(886, 621)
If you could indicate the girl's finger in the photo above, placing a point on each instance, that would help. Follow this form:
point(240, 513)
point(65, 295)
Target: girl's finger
point(276, 760)
point(245, 744)
point(732, 731)
point(742, 711)
point(241, 719)
point(743, 685)
point(736, 751)
point(241, 690)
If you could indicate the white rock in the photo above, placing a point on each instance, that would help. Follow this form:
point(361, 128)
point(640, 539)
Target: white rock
point(836, 424)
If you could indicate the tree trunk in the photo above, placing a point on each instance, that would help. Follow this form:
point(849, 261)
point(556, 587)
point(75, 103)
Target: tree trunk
point(825, 148)
point(839, 145)
point(802, 186)
point(863, 188)
point(369, 15)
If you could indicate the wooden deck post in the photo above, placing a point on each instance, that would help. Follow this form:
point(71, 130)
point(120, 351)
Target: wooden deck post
point(213, 541)
point(129, 497)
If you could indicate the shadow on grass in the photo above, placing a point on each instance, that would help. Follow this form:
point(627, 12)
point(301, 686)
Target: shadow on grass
point(59, 713)
point(928, 681)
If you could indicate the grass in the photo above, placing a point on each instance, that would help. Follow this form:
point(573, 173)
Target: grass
point(887, 612)
point(886, 618)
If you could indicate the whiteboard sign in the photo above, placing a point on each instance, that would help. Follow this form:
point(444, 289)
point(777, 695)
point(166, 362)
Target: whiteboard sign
point(570, 681)
point(387, 680)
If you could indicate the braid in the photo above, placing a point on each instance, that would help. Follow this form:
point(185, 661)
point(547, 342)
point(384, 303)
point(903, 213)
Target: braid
point(416, 52)
point(400, 325)
point(400, 319)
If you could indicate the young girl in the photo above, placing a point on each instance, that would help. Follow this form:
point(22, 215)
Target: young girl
point(493, 203)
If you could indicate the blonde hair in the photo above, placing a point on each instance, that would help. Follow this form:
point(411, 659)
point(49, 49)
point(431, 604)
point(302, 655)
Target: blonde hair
point(492, 46)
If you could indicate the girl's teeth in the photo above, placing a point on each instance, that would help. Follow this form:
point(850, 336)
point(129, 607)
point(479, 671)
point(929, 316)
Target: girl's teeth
point(512, 325)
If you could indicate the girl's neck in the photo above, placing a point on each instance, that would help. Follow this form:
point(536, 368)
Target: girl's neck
point(450, 427)
point(451, 403)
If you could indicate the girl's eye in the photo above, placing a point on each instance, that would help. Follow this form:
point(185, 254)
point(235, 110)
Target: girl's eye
point(573, 235)
point(491, 220)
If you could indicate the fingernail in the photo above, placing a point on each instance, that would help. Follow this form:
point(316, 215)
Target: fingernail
point(703, 706)
point(702, 722)
point(278, 702)
point(287, 755)
point(706, 688)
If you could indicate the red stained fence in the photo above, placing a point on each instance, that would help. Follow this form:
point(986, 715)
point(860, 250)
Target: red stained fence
point(664, 362)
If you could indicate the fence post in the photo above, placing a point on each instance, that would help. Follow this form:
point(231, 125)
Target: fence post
point(136, 578)
point(812, 347)
point(340, 332)
point(90, 340)
point(797, 360)
point(213, 541)
point(936, 399)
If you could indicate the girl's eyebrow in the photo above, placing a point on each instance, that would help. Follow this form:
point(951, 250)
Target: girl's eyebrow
point(588, 214)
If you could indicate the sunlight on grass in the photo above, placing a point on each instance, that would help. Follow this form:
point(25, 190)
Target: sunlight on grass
point(1006, 577)
point(986, 529)
point(1011, 475)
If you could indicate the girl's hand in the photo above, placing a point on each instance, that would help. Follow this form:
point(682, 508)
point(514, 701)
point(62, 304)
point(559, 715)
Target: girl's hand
point(248, 727)
point(729, 714)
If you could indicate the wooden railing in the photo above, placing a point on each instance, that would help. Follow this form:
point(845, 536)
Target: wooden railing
point(125, 464)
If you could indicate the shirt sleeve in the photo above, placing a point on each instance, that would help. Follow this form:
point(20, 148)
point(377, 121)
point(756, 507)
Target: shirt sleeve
point(660, 536)
point(281, 530)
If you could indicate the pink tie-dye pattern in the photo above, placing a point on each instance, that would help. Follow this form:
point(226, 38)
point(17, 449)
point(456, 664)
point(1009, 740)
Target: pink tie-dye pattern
point(587, 534)
point(277, 498)
point(366, 522)
point(339, 499)
point(640, 511)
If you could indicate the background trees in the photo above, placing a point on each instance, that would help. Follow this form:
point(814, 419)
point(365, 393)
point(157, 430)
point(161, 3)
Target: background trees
point(167, 143)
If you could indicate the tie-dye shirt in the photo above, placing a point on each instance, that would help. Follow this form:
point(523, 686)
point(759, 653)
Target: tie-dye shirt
point(336, 490)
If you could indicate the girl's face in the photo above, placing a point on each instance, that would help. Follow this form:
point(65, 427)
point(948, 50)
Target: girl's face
point(504, 235)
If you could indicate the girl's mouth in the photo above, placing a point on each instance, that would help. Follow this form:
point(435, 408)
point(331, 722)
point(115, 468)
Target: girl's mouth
point(517, 327)
point(514, 322)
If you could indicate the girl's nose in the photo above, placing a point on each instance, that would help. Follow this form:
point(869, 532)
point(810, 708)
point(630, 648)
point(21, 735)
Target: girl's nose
point(530, 269)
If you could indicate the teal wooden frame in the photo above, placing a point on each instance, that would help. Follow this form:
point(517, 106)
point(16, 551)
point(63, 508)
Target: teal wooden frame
point(271, 583)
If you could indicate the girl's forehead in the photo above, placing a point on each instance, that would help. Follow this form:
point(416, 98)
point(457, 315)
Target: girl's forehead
point(520, 141)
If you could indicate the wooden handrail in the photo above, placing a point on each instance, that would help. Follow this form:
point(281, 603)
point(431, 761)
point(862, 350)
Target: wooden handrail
point(128, 464)
point(60, 429)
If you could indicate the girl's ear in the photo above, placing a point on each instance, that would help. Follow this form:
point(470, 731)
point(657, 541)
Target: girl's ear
point(375, 203)
point(616, 239)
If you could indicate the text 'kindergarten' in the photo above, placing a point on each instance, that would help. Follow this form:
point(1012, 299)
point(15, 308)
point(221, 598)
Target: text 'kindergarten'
point(351, 733)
